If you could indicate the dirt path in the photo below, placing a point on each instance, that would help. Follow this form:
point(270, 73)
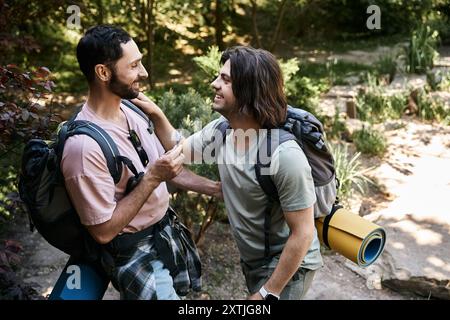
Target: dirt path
point(411, 143)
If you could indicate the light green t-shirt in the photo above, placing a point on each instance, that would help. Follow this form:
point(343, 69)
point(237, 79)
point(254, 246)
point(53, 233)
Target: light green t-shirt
point(245, 200)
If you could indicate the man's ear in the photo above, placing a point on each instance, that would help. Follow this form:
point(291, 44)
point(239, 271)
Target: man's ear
point(102, 72)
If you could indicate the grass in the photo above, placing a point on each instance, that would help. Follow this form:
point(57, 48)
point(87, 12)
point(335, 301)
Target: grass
point(334, 71)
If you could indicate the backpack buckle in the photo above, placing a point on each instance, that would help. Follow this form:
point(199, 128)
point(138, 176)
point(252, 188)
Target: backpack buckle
point(289, 124)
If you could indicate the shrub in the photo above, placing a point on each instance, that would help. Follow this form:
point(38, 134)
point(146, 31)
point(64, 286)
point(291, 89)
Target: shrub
point(189, 112)
point(369, 141)
point(12, 287)
point(421, 50)
point(439, 80)
point(21, 115)
point(304, 93)
point(210, 63)
point(21, 118)
point(348, 171)
point(431, 109)
point(334, 126)
point(289, 68)
point(386, 65)
point(375, 106)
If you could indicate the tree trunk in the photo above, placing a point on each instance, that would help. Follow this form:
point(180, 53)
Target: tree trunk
point(150, 41)
point(218, 24)
point(210, 216)
point(281, 10)
point(254, 24)
point(101, 12)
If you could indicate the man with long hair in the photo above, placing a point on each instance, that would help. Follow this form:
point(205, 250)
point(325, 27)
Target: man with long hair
point(249, 95)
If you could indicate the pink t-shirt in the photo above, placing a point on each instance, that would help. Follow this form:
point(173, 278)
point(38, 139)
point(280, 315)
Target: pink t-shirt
point(89, 182)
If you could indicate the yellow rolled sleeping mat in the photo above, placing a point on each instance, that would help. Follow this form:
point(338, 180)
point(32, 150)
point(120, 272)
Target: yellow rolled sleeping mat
point(354, 237)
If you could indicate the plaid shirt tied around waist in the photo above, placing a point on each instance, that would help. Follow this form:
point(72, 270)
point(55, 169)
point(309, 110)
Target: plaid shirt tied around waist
point(169, 241)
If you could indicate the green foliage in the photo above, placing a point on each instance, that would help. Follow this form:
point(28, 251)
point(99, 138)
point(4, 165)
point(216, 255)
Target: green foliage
point(439, 80)
point(347, 19)
point(190, 112)
point(289, 68)
point(386, 65)
point(334, 126)
point(10, 203)
point(370, 141)
point(432, 108)
point(333, 72)
point(300, 91)
point(421, 50)
point(210, 63)
point(375, 106)
point(348, 171)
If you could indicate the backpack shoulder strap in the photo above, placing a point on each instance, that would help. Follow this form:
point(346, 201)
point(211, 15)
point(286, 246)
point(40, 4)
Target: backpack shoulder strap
point(136, 109)
point(222, 127)
point(268, 186)
point(104, 140)
point(265, 181)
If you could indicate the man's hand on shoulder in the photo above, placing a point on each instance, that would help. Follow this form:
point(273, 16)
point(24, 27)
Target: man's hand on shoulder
point(147, 105)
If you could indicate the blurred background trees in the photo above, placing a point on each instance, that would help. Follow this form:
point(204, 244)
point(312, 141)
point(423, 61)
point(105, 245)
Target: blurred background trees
point(40, 82)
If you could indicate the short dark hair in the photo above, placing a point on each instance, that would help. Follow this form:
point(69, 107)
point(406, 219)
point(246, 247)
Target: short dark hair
point(100, 45)
point(257, 84)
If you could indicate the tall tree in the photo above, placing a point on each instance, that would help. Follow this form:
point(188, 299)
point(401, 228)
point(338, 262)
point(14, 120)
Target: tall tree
point(254, 24)
point(218, 24)
point(101, 12)
point(276, 35)
point(149, 18)
point(280, 16)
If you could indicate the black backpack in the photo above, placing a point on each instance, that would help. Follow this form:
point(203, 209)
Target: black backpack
point(42, 188)
point(304, 128)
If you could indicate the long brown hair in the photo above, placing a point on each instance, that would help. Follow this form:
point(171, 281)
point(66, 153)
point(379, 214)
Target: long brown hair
point(257, 84)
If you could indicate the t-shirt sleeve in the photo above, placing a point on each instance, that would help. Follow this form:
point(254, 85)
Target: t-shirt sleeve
point(291, 174)
point(88, 180)
point(201, 143)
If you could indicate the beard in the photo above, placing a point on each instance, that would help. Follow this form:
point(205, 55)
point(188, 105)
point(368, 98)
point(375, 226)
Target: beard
point(123, 90)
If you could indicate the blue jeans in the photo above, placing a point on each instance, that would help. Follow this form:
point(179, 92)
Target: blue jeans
point(164, 282)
